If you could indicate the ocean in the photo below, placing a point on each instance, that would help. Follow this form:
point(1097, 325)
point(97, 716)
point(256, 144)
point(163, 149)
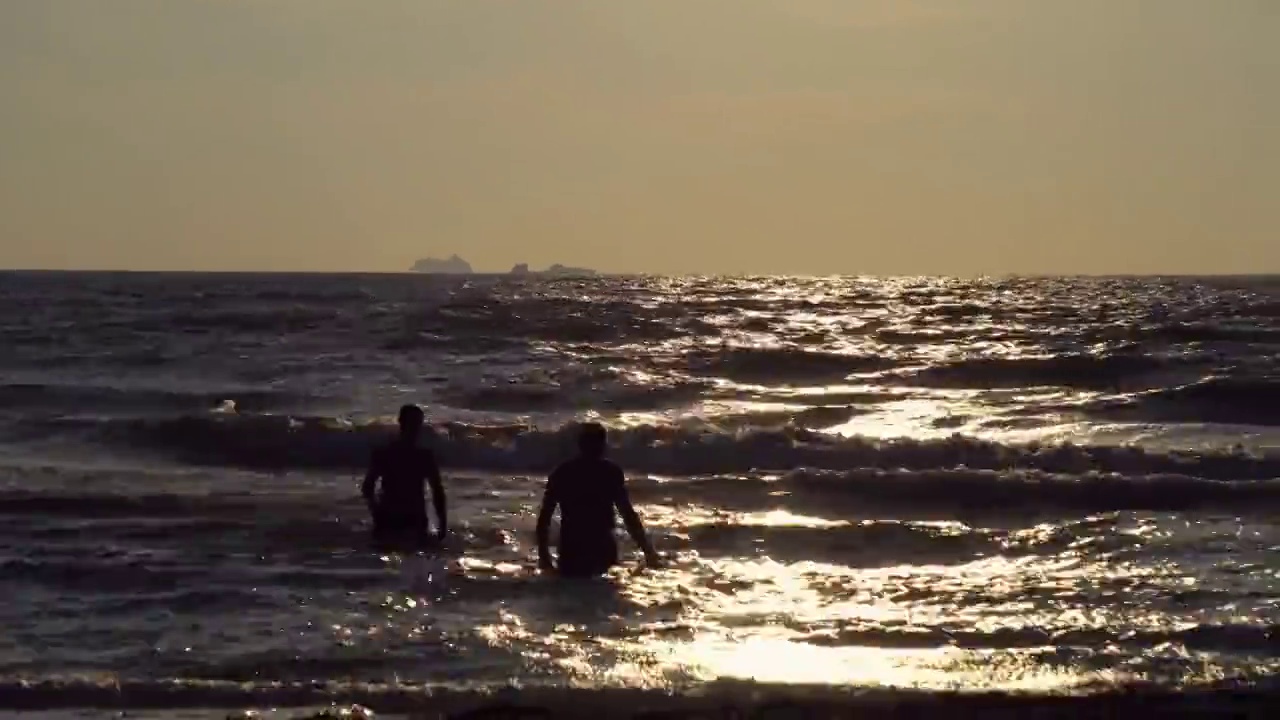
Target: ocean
point(868, 491)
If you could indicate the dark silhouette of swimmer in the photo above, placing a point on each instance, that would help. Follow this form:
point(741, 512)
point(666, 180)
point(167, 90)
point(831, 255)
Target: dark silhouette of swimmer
point(587, 489)
point(400, 510)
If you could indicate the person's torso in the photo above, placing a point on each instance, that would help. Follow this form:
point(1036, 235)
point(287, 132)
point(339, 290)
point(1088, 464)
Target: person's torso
point(404, 472)
point(587, 491)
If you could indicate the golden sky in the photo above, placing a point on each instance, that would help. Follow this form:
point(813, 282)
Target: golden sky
point(678, 136)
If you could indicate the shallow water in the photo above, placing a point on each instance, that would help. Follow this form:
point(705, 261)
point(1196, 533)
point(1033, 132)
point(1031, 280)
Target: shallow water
point(1024, 485)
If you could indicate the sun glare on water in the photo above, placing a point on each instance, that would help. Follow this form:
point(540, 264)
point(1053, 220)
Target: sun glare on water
point(906, 626)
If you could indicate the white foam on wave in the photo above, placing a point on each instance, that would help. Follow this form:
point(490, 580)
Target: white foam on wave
point(282, 442)
point(178, 697)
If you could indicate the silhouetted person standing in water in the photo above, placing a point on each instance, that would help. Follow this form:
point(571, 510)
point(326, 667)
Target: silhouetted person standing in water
point(400, 511)
point(587, 489)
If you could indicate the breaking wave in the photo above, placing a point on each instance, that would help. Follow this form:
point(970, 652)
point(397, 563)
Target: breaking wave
point(722, 699)
point(282, 442)
point(969, 492)
point(956, 473)
point(84, 398)
point(1225, 400)
point(775, 365)
point(1087, 372)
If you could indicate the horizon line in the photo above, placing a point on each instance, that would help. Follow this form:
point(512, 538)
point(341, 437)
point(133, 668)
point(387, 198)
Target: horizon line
point(608, 274)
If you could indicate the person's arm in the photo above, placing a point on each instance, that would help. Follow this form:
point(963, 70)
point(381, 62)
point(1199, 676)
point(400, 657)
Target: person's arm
point(370, 485)
point(631, 519)
point(437, 497)
point(548, 509)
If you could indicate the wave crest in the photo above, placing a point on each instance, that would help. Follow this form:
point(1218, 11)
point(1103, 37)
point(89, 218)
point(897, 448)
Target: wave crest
point(281, 442)
point(1086, 372)
point(1226, 400)
point(721, 699)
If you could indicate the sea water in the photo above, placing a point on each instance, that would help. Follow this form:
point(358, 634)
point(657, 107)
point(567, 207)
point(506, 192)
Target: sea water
point(911, 485)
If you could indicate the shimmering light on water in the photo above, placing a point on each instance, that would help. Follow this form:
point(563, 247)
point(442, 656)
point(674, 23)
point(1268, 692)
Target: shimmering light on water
point(776, 660)
point(911, 482)
point(917, 625)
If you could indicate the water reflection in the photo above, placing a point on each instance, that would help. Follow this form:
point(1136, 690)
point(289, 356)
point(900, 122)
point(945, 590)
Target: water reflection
point(1061, 620)
point(1100, 600)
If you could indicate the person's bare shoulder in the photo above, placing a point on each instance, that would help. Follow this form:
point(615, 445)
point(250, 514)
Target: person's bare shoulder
point(558, 472)
point(613, 469)
point(569, 466)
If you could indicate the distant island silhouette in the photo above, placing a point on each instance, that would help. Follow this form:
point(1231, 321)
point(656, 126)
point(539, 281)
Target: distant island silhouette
point(556, 269)
point(454, 265)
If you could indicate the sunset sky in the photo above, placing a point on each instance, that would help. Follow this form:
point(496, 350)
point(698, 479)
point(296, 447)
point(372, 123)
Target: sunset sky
point(678, 136)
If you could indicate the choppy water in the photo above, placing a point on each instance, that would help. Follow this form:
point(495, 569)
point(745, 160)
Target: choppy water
point(1028, 485)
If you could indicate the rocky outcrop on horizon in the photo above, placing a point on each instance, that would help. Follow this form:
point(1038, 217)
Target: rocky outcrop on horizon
point(454, 265)
point(556, 270)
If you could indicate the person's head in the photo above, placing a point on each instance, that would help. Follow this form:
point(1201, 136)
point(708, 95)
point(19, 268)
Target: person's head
point(591, 440)
point(411, 419)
